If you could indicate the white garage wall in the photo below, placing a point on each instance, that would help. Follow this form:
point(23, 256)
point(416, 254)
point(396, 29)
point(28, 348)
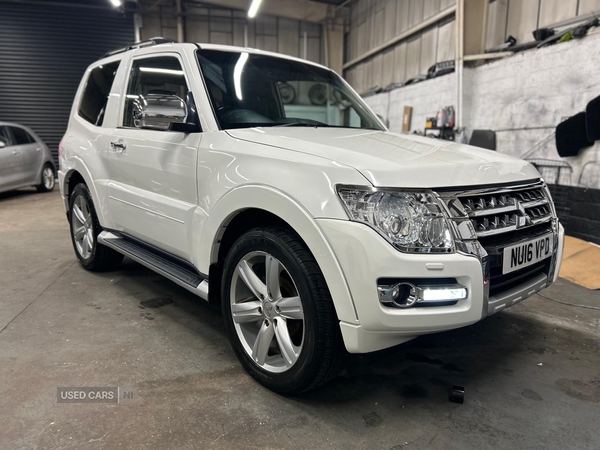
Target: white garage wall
point(522, 98)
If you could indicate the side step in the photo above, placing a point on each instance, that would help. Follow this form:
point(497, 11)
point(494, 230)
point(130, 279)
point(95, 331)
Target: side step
point(152, 259)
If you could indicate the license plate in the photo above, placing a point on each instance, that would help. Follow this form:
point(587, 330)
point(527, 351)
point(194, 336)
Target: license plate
point(527, 253)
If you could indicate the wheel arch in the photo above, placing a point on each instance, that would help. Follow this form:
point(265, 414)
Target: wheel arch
point(79, 174)
point(248, 207)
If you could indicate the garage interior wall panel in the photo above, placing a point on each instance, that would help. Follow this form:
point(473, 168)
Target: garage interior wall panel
point(519, 18)
point(413, 58)
point(375, 22)
point(227, 26)
point(415, 15)
point(446, 42)
point(496, 23)
point(44, 52)
point(553, 11)
point(428, 49)
point(389, 29)
point(522, 19)
point(588, 6)
point(387, 75)
point(401, 10)
point(400, 63)
point(430, 8)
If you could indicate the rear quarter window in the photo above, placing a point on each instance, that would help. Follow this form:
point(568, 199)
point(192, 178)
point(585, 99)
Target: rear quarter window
point(21, 136)
point(96, 91)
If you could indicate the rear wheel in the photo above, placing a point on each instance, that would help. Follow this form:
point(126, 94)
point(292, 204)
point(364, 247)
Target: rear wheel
point(85, 229)
point(48, 179)
point(279, 313)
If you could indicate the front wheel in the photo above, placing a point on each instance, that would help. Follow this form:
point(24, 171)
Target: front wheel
point(279, 313)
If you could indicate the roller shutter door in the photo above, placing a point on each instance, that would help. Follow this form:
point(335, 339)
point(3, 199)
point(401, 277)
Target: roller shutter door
point(44, 51)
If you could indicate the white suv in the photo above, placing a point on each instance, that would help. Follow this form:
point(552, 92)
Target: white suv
point(268, 180)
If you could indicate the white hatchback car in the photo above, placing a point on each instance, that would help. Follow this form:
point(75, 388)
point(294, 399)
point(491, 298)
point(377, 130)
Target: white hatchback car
point(24, 159)
point(264, 182)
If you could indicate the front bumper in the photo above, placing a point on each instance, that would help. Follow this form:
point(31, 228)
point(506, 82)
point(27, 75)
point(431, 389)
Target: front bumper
point(365, 257)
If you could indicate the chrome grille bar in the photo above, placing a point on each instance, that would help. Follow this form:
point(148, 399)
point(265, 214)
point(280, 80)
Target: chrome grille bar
point(500, 210)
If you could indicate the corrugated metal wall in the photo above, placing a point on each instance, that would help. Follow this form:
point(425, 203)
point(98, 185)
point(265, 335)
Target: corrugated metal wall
point(374, 22)
point(227, 27)
point(44, 51)
point(519, 18)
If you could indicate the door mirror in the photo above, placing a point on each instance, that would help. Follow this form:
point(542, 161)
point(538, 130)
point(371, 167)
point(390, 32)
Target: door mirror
point(2, 144)
point(159, 111)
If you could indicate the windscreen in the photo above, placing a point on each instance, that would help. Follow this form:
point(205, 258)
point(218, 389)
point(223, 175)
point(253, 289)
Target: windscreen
point(254, 90)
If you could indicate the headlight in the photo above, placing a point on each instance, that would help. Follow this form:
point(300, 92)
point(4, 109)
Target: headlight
point(411, 221)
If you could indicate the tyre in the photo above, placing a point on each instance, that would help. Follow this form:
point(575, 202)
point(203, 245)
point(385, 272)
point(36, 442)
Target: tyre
point(85, 229)
point(279, 313)
point(48, 179)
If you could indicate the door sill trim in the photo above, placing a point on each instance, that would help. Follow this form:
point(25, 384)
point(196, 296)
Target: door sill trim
point(157, 261)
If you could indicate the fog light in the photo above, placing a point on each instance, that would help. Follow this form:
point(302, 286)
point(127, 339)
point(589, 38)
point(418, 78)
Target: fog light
point(437, 294)
point(406, 295)
point(402, 295)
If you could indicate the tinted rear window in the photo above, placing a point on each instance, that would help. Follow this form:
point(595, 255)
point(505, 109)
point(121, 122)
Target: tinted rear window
point(96, 91)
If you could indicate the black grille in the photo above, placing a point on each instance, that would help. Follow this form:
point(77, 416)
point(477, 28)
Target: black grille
point(500, 282)
point(539, 211)
point(495, 245)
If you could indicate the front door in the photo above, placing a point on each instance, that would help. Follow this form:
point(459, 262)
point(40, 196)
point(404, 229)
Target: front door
point(152, 189)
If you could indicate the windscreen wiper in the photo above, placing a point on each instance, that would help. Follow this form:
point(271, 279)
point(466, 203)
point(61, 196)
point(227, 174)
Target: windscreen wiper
point(301, 124)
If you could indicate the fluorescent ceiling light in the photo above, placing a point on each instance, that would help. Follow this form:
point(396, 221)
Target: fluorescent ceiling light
point(237, 74)
point(254, 8)
point(116, 3)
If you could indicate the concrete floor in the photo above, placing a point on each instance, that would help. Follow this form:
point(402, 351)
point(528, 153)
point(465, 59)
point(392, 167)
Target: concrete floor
point(531, 374)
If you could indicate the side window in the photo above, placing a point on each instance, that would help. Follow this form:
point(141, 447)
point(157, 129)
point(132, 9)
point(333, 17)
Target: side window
point(159, 75)
point(21, 136)
point(6, 137)
point(96, 91)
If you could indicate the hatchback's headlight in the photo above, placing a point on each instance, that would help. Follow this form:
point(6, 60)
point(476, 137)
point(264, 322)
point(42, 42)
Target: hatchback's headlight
point(411, 221)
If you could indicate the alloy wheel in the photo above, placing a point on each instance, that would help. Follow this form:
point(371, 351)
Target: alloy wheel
point(82, 229)
point(267, 312)
point(48, 178)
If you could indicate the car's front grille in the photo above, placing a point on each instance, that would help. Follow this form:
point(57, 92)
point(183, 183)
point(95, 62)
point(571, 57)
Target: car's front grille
point(502, 217)
point(507, 209)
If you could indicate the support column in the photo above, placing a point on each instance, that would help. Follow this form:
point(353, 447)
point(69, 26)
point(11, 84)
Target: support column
point(180, 34)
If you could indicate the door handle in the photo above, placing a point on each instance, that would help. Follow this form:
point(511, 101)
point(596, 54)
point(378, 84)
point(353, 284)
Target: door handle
point(15, 152)
point(38, 149)
point(119, 146)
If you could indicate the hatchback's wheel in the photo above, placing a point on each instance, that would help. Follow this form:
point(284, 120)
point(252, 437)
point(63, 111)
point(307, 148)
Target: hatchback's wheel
point(85, 228)
point(48, 179)
point(279, 313)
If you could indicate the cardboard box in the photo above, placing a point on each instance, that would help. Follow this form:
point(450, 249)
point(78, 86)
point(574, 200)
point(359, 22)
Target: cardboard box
point(406, 119)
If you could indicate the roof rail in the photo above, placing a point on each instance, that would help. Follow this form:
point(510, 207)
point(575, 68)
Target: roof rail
point(147, 43)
